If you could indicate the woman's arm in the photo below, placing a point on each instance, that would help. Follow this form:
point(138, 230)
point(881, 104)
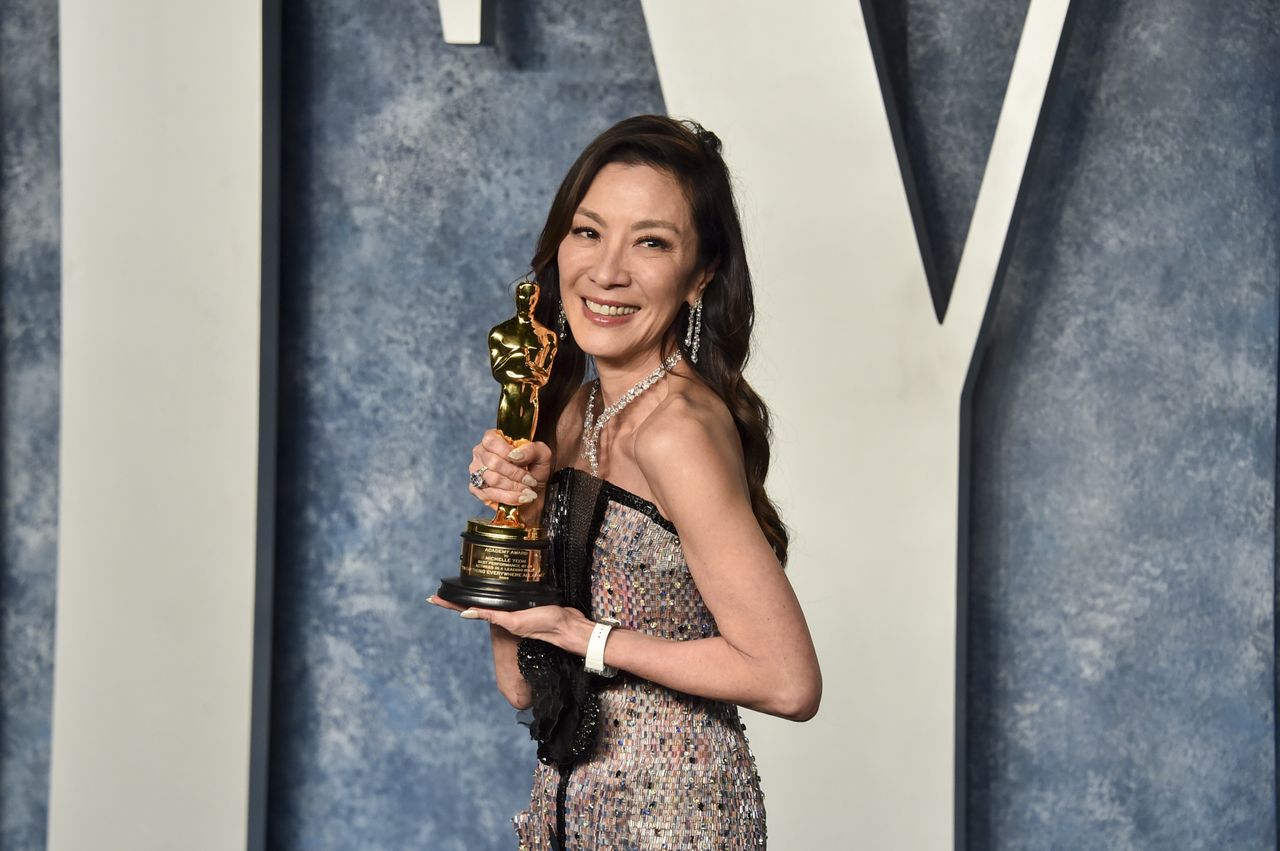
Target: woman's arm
point(764, 657)
point(507, 672)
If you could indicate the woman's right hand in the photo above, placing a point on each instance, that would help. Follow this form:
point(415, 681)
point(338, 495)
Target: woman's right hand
point(511, 476)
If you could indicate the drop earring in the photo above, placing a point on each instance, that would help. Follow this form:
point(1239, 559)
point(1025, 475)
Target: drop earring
point(693, 330)
point(561, 323)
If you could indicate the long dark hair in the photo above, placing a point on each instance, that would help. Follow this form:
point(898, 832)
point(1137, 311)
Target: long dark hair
point(690, 154)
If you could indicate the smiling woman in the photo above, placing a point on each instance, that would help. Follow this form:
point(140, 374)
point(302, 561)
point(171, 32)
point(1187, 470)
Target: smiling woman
point(674, 615)
point(629, 263)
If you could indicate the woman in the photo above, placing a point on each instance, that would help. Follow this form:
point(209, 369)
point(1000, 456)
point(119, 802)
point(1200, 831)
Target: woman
point(658, 513)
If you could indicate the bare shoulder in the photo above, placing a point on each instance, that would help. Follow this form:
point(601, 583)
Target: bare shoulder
point(691, 417)
point(689, 440)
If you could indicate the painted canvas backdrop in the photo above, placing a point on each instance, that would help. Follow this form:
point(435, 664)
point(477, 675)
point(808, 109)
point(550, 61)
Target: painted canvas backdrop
point(416, 177)
point(30, 314)
point(1121, 664)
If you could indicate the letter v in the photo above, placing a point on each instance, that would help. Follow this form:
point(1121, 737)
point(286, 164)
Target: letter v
point(868, 387)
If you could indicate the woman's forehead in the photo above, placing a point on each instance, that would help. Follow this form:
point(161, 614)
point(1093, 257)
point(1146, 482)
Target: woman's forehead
point(637, 192)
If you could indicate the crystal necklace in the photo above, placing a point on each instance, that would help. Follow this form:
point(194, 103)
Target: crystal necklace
point(591, 427)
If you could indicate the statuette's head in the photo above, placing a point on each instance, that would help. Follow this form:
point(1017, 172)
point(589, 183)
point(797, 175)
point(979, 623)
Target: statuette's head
point(526, 297)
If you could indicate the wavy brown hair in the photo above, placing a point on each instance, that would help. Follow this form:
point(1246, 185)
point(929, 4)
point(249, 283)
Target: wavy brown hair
point(690, 154)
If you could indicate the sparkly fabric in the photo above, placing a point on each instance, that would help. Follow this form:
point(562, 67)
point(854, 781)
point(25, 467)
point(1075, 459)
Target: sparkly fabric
point(666, 770)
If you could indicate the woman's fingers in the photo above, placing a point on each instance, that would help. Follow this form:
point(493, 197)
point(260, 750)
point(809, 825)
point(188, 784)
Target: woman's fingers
point(538, 622)
point(525, 455)
point(511, 476)
point(475, 613)
point(536, 458)
point(444, 604)
point(511, 457)
point(491, 496)
point(499, 472)
point(497, 454)
point(498, 488)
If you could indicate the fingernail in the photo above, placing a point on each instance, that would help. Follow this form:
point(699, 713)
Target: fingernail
point(516, 455)
point(527, 497)
point(469, 614)
point(530, 481)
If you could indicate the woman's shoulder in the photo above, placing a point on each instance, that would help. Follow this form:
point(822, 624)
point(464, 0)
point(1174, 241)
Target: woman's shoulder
point(691, 424)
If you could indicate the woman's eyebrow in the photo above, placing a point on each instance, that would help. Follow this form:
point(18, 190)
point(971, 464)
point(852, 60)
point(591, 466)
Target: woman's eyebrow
point(655, 223)
point(641, 225)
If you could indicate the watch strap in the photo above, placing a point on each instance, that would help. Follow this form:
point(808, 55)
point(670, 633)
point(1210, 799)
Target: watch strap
point(594, 661)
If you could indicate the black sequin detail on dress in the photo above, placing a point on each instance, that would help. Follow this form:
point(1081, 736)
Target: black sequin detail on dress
point(665, 770)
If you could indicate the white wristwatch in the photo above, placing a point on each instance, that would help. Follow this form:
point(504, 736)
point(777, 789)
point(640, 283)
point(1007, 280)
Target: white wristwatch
point(594, 663)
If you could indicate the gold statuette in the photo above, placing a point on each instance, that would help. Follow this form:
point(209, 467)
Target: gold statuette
point(503, 560)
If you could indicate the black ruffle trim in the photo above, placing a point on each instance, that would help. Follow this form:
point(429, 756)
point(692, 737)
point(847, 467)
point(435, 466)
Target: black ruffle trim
point(566, 711)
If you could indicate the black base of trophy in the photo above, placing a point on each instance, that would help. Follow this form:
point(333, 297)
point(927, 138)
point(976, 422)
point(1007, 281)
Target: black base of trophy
point(504, 594)
point(502, 567)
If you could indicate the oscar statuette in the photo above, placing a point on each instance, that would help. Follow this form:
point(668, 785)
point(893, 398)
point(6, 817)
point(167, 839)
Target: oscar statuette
point(502, 558)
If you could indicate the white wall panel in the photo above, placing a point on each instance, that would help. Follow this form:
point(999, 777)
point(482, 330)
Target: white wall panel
point(159, 537)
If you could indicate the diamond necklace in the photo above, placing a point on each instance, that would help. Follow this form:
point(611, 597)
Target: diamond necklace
point(591, 427)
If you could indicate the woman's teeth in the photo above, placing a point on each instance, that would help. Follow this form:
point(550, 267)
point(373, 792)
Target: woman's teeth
point(609, 309)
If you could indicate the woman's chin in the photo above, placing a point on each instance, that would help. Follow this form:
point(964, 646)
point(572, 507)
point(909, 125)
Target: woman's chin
point(604, 353)
point(618, 344)
point(608, 350)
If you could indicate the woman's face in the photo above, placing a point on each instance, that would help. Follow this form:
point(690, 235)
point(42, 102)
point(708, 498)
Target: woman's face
point(627, 264)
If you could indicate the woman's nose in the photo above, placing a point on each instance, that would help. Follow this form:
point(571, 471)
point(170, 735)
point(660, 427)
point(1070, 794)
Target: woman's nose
point(610, 267)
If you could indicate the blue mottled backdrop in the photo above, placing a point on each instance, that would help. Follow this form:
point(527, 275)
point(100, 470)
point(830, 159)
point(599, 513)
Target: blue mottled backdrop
point(1121, 667)
point(31, 313)
point(1121, 685)
point(416, 178)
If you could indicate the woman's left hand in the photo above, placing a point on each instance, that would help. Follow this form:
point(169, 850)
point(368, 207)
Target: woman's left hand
point(553, 624)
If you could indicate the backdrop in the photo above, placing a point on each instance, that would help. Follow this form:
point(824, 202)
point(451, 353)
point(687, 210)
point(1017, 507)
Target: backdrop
point(1121, 652)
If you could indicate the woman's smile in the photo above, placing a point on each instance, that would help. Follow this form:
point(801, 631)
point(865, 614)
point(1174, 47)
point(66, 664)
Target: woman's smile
point(608, 312)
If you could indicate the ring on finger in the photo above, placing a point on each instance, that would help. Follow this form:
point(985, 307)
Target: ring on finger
point(477, 478)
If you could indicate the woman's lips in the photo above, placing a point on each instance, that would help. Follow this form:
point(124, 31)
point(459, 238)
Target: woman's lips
point(608, 314)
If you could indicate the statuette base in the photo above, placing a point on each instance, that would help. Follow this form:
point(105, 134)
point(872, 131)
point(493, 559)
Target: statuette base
point(502, 567)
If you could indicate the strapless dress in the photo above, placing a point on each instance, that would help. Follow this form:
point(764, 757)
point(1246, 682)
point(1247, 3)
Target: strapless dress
point(664, 770)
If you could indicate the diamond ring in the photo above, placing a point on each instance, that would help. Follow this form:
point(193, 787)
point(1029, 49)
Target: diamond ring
point(477, 478)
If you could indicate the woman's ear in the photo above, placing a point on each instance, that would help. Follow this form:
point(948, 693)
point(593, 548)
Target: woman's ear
point(704, 278)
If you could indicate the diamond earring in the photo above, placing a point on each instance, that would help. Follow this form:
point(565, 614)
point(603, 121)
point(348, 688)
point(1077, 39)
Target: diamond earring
point(693, 331)
point(561, 323)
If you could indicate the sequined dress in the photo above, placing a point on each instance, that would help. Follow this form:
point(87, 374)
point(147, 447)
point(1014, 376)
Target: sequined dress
point(667, 770)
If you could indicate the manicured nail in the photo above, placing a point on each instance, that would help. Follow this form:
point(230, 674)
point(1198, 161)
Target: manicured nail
point(469, 614)
point(527, 497)
point(516, 455)
point(530, 481)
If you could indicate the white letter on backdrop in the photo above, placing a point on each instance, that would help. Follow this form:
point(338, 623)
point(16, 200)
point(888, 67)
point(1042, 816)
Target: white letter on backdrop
point(865, 386)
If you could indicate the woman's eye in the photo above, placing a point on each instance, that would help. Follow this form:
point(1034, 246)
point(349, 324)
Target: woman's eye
point(654, 242)
point(589, 233)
